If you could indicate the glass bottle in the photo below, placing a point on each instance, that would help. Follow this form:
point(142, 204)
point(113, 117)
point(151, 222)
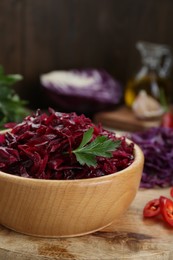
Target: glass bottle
point(153, 77)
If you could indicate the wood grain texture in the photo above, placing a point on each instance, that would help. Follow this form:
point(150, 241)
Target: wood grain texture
point(40, 36)
point(11, 35)
point(131, 237)
point(124, 119)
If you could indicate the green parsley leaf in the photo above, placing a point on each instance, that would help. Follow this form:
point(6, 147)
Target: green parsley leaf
point(101, 146)
point(86, 137)
point(12, 108)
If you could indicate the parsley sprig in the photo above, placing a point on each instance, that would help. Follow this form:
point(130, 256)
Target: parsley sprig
point(88, 150)
point(12, 107)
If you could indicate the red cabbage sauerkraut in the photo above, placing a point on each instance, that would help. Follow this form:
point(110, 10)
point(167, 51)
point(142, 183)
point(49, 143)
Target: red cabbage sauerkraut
point(37, 148)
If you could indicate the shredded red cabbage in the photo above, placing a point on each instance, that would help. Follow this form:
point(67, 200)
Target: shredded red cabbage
point(36, 148)
point(157, 146)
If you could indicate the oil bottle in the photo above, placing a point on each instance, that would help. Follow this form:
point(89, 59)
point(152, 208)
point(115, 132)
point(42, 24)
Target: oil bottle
point(153, 77)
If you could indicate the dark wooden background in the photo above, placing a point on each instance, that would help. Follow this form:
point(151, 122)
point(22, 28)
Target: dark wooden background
point(37, 36)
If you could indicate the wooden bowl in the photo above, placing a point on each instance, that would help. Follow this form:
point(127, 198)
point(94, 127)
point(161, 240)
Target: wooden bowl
point(64, 208)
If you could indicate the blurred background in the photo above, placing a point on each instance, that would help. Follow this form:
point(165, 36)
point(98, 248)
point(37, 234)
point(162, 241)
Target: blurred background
point(38, 36)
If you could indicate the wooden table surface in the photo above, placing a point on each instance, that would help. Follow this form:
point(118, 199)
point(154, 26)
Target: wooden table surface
point(124, 119)
point(131, 237)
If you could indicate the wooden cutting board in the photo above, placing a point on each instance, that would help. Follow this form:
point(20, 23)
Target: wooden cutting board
point(131, 237)
point(124, 119)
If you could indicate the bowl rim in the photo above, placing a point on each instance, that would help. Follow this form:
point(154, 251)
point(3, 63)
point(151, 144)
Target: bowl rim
point(138, 156)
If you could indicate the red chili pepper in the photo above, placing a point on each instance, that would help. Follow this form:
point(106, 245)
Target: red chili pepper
point(166, 208)
point(167, 120)
point(152, 208)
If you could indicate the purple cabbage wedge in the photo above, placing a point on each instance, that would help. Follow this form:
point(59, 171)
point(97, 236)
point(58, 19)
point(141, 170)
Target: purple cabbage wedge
point(83, 91)
point(157, 145)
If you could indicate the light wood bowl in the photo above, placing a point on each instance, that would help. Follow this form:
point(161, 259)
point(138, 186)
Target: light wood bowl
point(64, 208)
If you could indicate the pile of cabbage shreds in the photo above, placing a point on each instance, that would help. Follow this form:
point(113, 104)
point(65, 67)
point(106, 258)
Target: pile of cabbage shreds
point(41, 147)
point(157, 146)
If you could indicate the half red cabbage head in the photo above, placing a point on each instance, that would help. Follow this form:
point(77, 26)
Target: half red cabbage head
point(83, 91)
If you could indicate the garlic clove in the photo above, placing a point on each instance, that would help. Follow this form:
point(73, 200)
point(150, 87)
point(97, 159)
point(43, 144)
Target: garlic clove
point(146, 107)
